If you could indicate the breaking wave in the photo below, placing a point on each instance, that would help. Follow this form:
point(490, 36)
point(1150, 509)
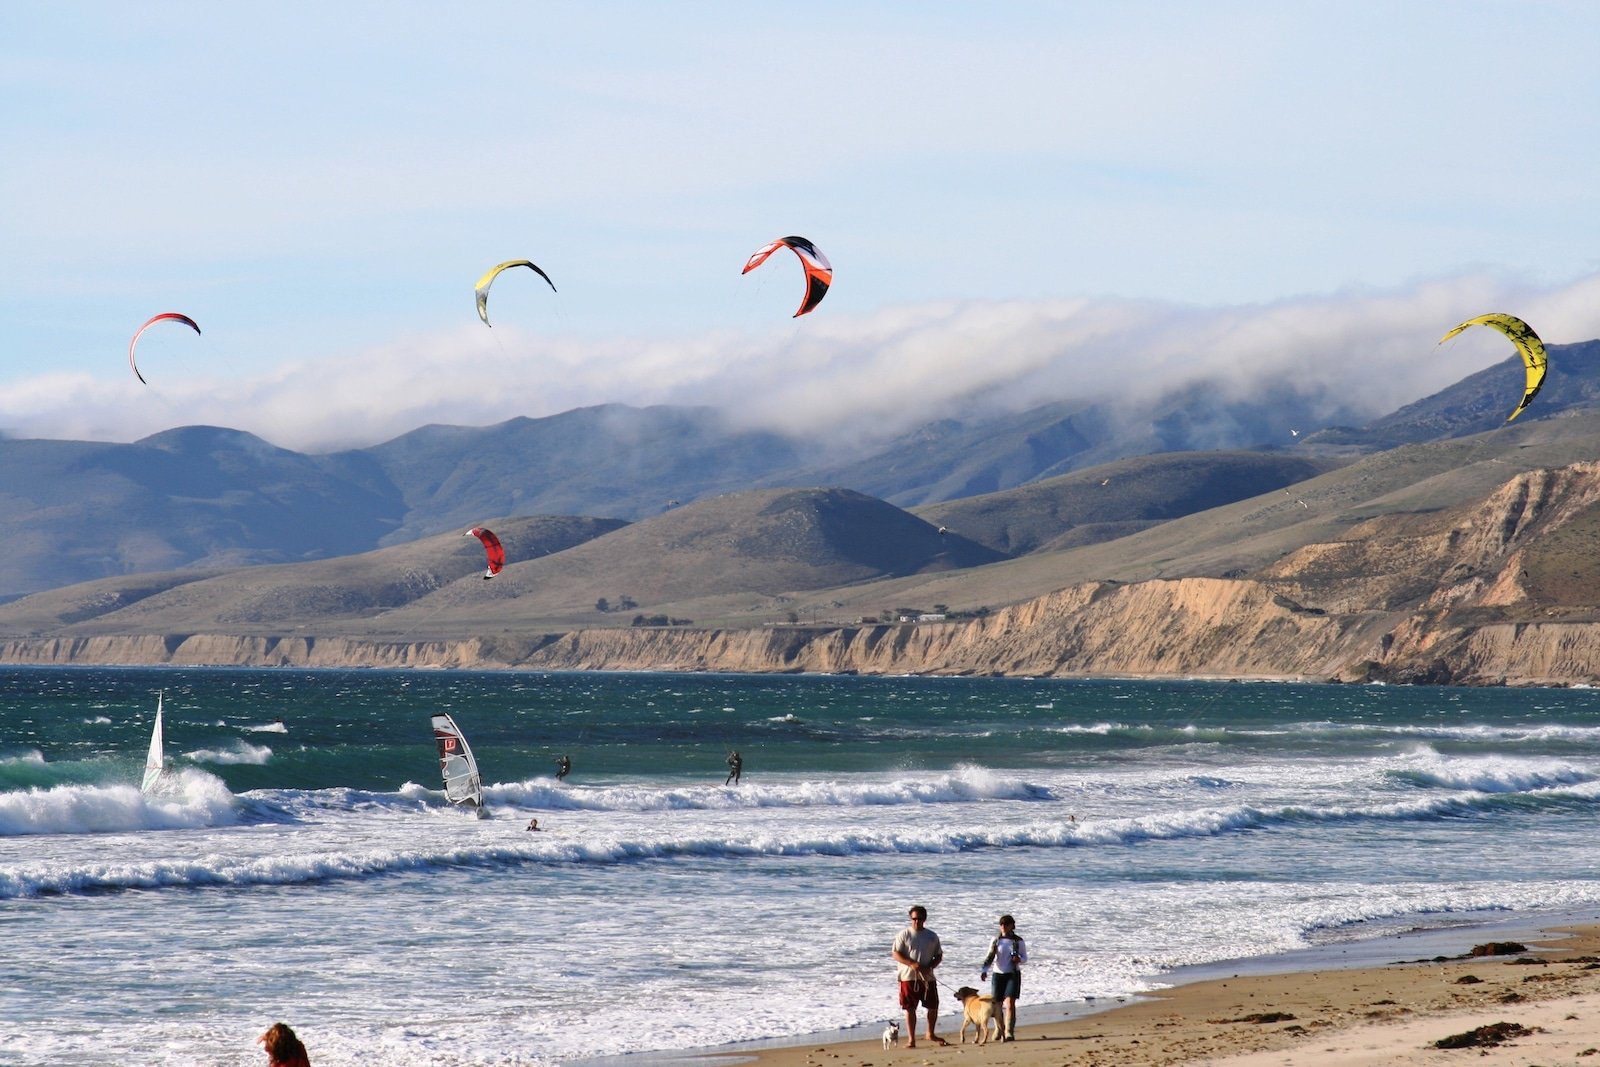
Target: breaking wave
point(124, 809)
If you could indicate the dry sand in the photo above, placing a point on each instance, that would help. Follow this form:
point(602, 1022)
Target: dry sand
point(1381, 1015)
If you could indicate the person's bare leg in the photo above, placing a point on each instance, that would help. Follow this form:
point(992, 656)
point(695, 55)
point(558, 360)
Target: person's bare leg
point(911, 1029)
point(933, 1015)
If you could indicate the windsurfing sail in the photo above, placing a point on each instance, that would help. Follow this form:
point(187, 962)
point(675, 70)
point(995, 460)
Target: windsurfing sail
point(156, 762)
point(461, 782)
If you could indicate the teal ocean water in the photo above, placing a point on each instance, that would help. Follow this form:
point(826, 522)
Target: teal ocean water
point(302, 863)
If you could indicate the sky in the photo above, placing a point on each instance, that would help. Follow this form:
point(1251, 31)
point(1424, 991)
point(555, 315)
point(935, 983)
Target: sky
point(1031, 200)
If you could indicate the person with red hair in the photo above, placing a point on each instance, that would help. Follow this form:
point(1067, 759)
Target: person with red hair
point(283, 1048)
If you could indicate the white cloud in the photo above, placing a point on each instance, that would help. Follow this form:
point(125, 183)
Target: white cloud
point(1363, 352)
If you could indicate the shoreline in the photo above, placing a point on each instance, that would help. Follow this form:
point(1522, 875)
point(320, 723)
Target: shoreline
point(1384, 998)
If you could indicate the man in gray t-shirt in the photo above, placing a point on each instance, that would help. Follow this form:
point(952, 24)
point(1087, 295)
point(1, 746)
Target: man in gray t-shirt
point(917, 952)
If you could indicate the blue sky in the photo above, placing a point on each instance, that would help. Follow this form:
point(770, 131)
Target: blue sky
point(319, 186)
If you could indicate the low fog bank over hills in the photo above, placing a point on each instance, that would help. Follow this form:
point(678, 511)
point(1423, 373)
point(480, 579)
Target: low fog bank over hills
point(205, 499)
point(1481, 402)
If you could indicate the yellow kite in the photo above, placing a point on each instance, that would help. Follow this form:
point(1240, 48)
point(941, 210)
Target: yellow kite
point(1528, 345)
point(481, 291)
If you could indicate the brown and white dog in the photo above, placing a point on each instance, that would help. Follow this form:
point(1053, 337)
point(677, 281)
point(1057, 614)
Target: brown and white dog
point(977, 1012)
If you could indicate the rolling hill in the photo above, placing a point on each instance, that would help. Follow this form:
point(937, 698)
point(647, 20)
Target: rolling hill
point(291, 596)
point(769, 542)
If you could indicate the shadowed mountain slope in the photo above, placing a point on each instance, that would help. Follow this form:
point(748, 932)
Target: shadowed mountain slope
point(951, 458)
point(1117, 499)
point(611, 460)
point(195, 497)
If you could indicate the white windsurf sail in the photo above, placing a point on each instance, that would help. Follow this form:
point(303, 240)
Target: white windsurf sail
point(156, 762)
point(462, 785)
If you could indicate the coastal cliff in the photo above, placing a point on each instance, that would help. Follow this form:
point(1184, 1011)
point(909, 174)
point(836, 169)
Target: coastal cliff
point(1499, 592)
point(1188, 626)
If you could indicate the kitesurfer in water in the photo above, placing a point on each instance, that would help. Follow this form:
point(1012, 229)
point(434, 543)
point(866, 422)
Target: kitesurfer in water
point(563, 767)
point(735, 766)
point(283, 1047)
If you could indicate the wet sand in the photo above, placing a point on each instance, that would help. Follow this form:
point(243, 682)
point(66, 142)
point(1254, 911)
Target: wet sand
point(1378, 1015)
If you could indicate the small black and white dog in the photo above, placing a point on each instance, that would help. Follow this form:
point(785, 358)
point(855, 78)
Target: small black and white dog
point(891, 1035)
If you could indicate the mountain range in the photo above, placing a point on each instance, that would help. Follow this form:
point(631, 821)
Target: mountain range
point(208, 499)
point(213, 532)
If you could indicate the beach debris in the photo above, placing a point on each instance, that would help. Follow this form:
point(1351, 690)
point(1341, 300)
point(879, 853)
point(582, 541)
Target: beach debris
point(1258, 1018)
point(1469, 979)
point(481, 290)
point(1498, 948)
point(1486, 1036)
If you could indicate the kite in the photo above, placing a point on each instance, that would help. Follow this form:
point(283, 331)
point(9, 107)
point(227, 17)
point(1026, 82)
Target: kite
point(1528, 346)
point(481, 290)
point(493, 552)
point(819, 273)
point(174, 316)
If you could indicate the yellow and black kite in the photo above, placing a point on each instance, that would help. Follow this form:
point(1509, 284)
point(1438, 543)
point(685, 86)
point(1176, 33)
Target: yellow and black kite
point(1528, 346)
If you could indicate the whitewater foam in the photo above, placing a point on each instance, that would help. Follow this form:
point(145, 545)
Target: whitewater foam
point(239, 753)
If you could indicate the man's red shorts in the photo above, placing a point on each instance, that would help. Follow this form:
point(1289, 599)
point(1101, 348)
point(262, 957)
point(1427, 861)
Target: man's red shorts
point(917, 992)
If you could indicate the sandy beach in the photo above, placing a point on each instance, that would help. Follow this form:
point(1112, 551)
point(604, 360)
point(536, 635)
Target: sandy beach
point(1379, 1015)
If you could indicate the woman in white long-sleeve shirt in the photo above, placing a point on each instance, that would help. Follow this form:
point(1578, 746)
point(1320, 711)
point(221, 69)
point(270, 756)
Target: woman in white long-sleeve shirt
point(1007, 954)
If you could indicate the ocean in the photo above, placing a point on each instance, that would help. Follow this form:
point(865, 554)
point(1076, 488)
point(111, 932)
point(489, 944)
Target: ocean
point(302, 864)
